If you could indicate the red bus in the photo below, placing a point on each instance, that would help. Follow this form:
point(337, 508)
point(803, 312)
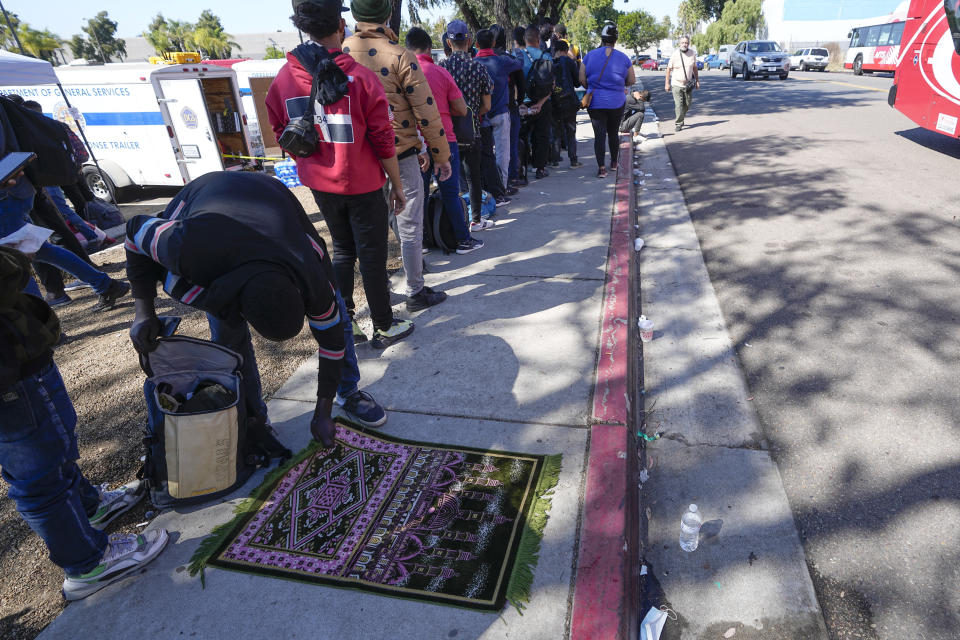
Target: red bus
point(926, 86)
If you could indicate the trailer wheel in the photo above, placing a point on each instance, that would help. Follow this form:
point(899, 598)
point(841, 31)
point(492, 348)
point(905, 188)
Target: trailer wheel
point(100, 183)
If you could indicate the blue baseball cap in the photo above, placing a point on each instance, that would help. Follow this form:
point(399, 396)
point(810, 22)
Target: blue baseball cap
point(457, 30)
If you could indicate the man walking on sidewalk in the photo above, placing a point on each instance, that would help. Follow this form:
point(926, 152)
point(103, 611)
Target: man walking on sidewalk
point(38, 449)
point(412, 106)
point(682, 78)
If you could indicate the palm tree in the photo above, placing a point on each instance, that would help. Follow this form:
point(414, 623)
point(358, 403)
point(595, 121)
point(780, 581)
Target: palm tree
point(213, 44)
point(40, 44)
point(180, 33)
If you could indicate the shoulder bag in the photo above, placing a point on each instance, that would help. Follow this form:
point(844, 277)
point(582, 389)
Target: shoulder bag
point(588, 96)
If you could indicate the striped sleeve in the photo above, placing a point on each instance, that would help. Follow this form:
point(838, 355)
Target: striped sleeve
point(327, 326)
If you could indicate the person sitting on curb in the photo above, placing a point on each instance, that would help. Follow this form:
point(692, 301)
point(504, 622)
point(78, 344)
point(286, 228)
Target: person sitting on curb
point(240, 247)
point(375, 47)
point(633, 112)
point(346, 172)
point(38, 449)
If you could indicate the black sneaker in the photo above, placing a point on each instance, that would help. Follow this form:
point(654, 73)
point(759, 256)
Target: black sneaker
point(57, 299)
point(114, 292)
point(427, 297)
point(359, 408)
point(575, 164)
point(554, 163)
point(542, 173)
point(521, 182)
point(399, 330)
point(468, 245)
point(512, 191)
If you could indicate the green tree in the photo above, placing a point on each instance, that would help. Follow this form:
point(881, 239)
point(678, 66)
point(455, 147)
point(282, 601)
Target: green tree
point(690, 13)
point(40, 44)
point(274, 53)
point(209, 37)
point(7, 40)
point(582, 28)
point(741, 20)
point(639, 29)
point(180, 32)
point(101, 40)
point(158, 35)
point(602, 10)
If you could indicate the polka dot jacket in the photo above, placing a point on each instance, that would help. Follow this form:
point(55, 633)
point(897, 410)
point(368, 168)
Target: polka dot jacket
point(412, 106)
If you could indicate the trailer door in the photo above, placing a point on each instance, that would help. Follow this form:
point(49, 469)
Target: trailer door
point(197, 145)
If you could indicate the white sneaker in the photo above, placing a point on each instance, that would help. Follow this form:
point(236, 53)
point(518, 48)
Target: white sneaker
point(482, 225)
point(126, 553)
point(115, 503)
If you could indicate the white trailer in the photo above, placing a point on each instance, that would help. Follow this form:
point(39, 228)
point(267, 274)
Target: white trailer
point(149, 125)
point(254, 78)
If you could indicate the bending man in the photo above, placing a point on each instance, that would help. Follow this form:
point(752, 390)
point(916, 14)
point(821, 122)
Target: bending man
point(239, 246)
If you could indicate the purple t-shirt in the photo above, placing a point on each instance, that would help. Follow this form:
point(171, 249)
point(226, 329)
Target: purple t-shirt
point(608, 91)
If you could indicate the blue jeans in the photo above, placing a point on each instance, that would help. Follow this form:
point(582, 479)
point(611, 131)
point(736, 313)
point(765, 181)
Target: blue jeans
point(68, 261)
point(514, 144)
point(56, 194)
point(231, 331)
point(450, 194)
point(38, 454)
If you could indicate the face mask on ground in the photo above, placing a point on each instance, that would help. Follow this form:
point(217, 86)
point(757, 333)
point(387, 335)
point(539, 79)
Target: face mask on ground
point(653, 622)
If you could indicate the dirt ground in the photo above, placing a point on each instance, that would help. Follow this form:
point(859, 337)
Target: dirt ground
point(103, 377)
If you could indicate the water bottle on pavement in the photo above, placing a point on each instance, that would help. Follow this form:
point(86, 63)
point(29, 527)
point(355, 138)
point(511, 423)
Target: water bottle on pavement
point(690, 525)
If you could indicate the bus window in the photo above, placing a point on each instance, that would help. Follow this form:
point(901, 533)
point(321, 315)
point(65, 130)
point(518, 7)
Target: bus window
point(884, 38)
point(855, 38)
point(952, 9)
point(871, 37)
point(897, 33)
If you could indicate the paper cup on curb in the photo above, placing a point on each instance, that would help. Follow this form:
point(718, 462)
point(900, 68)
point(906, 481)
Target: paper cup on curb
point(646, 328)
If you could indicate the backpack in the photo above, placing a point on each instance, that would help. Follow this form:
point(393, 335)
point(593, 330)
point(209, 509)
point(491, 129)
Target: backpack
point(55, 165)
point(437, 228)
point(200, 442)
point(540, 78)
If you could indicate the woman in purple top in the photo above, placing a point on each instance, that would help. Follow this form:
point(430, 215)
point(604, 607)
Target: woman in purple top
point(606, 73)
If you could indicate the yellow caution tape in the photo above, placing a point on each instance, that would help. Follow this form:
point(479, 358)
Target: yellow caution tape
point(250, 157)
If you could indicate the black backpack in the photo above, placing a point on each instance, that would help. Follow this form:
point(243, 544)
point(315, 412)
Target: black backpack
point(55, 165)
point(540, 78)
point(437, 228)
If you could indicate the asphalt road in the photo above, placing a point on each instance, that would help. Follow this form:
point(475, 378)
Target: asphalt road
point(829, 225)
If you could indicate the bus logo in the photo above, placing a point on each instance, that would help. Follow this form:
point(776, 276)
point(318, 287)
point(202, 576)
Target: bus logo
point(189, 117)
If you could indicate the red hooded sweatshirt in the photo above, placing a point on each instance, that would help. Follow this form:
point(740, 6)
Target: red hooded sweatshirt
point(355, 132)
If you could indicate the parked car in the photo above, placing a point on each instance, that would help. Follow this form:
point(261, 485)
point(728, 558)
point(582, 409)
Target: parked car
point(712, 61)
point(654, 65)
point(723, 52)
point(759, 58)
point(813, 58)
point(699, 65)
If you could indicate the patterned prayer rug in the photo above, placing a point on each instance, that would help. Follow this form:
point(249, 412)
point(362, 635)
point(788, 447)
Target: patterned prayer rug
point(452, 525)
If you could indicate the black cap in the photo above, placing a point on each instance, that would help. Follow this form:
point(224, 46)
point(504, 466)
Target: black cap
point(330, 6)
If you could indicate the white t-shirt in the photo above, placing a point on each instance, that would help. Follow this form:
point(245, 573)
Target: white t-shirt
point(678, 61)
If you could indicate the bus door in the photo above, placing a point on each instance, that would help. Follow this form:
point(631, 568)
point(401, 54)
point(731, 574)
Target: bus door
point(198, 152)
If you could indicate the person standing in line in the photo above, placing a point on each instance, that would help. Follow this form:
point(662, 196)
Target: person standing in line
point(500, 67)
point(374, 45)
point(517, 178)
point(682, 78)
point(38, 449)
point(476, 86)
point(537, 67)
point(606, 73)
point(449, 101)
point(565, 103)
point(346, 171)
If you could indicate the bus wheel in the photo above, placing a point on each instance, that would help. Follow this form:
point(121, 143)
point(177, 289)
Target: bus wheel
point(858, 66)
point(100, 183)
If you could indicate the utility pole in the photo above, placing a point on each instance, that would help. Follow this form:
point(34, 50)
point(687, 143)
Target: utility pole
point(16, 38)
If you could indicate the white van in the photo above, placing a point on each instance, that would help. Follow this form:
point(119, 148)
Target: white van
point(150, 125)
point(723, 54)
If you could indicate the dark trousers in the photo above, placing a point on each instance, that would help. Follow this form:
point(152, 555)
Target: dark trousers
point(470, 157)
point(488, 164)
point(565, 128)
point(540, 136)
point(79, 195)
point(514, 172)
point(631, 122)
point(606, 128)
point(358, 225)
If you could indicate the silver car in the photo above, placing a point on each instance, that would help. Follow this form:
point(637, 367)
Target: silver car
point(759, 58)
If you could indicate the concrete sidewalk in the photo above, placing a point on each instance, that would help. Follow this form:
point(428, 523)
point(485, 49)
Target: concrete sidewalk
point(749, 573)
point(508, 362)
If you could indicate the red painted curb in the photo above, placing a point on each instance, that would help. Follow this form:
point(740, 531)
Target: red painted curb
point(600, 606)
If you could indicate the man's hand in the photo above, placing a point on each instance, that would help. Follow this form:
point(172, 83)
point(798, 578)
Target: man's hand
point(321, 426)
point(424, 159)
point(666, 86)
point(397, 200)
point(12, 182)
point(144, 334)
point(444, 171)
point(697, 86)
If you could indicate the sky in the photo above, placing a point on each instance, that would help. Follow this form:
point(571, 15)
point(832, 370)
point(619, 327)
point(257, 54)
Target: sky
point(64, 17)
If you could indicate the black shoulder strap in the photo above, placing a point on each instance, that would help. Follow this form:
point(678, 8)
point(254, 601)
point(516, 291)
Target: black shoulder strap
point(308, 114)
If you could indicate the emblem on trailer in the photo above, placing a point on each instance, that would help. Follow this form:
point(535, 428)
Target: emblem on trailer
point(189, 118)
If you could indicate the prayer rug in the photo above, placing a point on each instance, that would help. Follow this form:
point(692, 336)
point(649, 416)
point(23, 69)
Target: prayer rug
point(452, 525)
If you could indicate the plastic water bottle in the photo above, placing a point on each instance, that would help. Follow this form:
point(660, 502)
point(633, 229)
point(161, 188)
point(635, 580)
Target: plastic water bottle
point(690, 525)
